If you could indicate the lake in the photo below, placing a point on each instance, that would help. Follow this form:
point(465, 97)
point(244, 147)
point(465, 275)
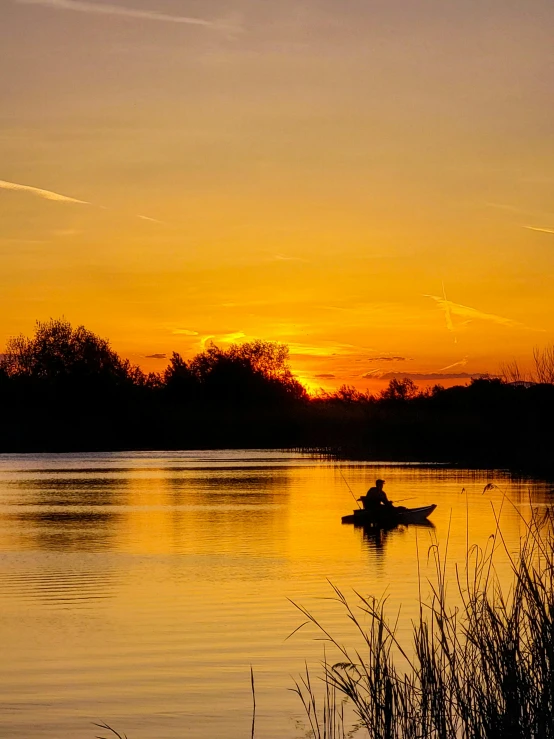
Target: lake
point(138, 588)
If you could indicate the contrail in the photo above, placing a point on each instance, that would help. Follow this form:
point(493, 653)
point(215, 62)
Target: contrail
point(285, 258)
point(464, 311)
point(58, 198)
point(542, 230)
point(82, 6)
point(152, 220)
point(46, 194)
point(448, 314)
point(461, 363)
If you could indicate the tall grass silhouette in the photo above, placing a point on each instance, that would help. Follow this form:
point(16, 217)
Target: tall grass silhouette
point(481, 667)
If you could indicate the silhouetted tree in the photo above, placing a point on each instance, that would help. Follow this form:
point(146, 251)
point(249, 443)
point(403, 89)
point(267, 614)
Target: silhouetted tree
point(404, 389)
point(4, 379)
point(268, 358)
point(250, 373)
point(349, 394)
point(544, 364)
point(59, 353)
point(65, 388)
point(179, 380)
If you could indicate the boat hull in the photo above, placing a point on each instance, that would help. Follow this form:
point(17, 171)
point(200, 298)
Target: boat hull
point(393, 517)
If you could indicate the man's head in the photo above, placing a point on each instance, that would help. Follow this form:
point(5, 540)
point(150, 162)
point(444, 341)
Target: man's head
point(379, 483)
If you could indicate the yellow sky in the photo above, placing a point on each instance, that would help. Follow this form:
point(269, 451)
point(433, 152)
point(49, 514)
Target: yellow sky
point(370, 183)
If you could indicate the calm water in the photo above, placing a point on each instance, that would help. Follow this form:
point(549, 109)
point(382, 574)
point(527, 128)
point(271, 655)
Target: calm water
point(139, 588)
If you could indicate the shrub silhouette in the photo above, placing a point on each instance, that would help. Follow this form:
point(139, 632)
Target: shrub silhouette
point(404, 389)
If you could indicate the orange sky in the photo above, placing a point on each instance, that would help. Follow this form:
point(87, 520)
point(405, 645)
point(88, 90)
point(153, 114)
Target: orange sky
point(369, 182)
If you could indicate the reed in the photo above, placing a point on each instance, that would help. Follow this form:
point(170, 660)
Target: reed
point(481, 665)
point(480, 668)
point(327, 721)
point(112, 733)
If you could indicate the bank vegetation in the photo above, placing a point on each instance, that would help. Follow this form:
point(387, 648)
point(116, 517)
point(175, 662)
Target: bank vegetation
point(66, 389)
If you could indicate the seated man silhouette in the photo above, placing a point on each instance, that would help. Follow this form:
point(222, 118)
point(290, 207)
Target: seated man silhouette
point(376, 500)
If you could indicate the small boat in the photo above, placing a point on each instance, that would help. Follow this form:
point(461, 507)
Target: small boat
point(388, 517)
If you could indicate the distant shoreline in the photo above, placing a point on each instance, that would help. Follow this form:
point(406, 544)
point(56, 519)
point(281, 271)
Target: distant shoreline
point(545, 471)
point(66, 390)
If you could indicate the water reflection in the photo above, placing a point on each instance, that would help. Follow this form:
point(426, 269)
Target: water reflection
point(139, 588)
point(63, 512)
point(59, 585)
point(376, 541)
point(158, 510)
point(375, 538)
point(205, 513)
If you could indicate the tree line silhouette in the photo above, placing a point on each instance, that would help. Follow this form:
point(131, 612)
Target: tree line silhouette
point(66, 389)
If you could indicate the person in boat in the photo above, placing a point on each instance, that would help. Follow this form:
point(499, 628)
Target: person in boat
point(376, 499)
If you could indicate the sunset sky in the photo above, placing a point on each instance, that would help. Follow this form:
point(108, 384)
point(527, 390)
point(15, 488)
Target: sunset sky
point(368, 181)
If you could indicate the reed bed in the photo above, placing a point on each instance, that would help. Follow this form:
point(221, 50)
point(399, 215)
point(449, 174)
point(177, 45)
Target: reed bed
point(481, 668)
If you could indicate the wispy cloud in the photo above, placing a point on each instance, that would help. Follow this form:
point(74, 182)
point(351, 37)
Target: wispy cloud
point(286, 258)
point(234, 336)
point(156, 356)
point(65, 232)
point(430, 376)
point(217, 339)
point(506, 207)
point(46, 194)
point(205, 340)
point(243, 304)
point(325, 376)
point(185, 332)
point(541, 230)
point(386, 359)
point(335, 307)
point(82, 6)
point(530, 214)
point(326, 349)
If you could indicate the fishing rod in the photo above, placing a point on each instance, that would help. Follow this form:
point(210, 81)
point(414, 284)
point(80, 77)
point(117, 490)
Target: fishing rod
point(348, 486)
point(402, 500)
